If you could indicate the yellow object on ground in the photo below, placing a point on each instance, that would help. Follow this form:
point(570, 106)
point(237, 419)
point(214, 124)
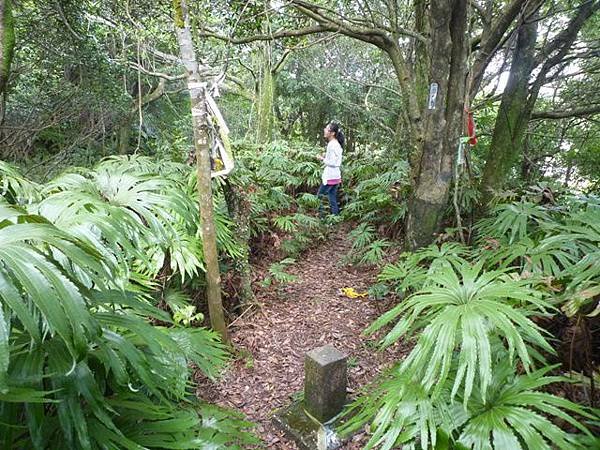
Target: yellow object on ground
point(351, 293)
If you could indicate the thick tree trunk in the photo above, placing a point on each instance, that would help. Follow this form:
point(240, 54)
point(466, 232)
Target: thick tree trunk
point(443, 123)
point(124, 135)
point(420, 56)
point(124, 127)
point(410, 100)
point(512, 119)
point(197, 89)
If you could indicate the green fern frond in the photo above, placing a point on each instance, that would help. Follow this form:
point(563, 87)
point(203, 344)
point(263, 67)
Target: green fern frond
point(463, 310)
point(516, 414)
point(285, 223)
point(362, 236)
point(513, 220)
point(15, 188)
point(278, 272)
point(375, 252)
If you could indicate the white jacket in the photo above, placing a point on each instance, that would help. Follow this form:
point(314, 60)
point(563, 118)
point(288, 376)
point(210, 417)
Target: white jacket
point(332, 161)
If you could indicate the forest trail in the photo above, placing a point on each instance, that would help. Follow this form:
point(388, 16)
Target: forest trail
point(293, 320)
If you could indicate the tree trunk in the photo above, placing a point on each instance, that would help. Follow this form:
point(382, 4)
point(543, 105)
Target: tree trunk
point(420, 56)
point(124, 135)
point(7, 45)
point(442, 123)
point(568, 174)
point(197, 89)
point(265, 96)
point(124, 127)
point(494, 34)
point(238, 207)
point(410, 100)
point(520, 96)
point(7, 42)
point(511, 121)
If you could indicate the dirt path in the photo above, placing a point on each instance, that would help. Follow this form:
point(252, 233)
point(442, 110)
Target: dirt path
point(299, 317)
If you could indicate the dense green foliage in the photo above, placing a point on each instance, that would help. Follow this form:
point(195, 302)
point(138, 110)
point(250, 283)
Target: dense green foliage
point(87, 359)
point(102, 287)
point(481, 357)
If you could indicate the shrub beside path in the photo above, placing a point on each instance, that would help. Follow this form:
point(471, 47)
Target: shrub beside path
point(291, 321)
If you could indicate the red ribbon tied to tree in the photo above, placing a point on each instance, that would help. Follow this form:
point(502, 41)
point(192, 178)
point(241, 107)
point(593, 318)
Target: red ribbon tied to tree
point(471, 128)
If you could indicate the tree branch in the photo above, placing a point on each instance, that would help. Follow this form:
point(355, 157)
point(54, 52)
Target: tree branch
point(560, 46)
point(61, 13)
point(155, 94)
point(565, 37)
point(482, 13)
point(267, 37)
point(351, 29)
point(162, 55)
point(162, 75)
point(492, 41)
point(370, 35)
point(575, 112)
point(281, 61)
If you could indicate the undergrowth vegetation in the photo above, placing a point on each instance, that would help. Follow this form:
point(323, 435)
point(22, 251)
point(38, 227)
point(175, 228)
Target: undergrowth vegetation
point(499, 328)
point(472, 125)
point(88, 359)
point(281, 181)
point(504, 329)
point(100, 271)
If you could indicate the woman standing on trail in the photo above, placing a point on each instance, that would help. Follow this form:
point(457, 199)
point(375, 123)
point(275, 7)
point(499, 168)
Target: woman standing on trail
point(332, 176)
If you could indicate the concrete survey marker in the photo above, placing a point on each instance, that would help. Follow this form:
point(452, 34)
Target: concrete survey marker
point(325, 380)
point(308, 421)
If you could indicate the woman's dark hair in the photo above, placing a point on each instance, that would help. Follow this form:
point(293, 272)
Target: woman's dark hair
point(335, 128)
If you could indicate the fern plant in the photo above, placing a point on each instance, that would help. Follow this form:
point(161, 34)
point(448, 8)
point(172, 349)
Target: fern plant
point(415, 269)
point(366, 248)
point(375, 252)
point(514, 415)
point(464, 310)
point(476, 377)
point(133, 204)
point(81, 366)
point(514, 220)
point(551, 256)
point(362, 236)
point(277, 271)
point(15, 188)
point(378, 189)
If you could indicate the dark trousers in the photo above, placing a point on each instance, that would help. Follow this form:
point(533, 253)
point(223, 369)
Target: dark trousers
point(329, 190)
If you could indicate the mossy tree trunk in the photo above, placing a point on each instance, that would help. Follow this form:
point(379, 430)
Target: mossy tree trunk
point(197, 90)
point(421, 56)
point(238, 206)
point(124, 135)
point(125, 126)
point(7, 45)
point(512, 119)
point(265, 95)
point(442, 122)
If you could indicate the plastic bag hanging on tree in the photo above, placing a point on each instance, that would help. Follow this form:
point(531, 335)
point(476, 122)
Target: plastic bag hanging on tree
point(220, 155)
